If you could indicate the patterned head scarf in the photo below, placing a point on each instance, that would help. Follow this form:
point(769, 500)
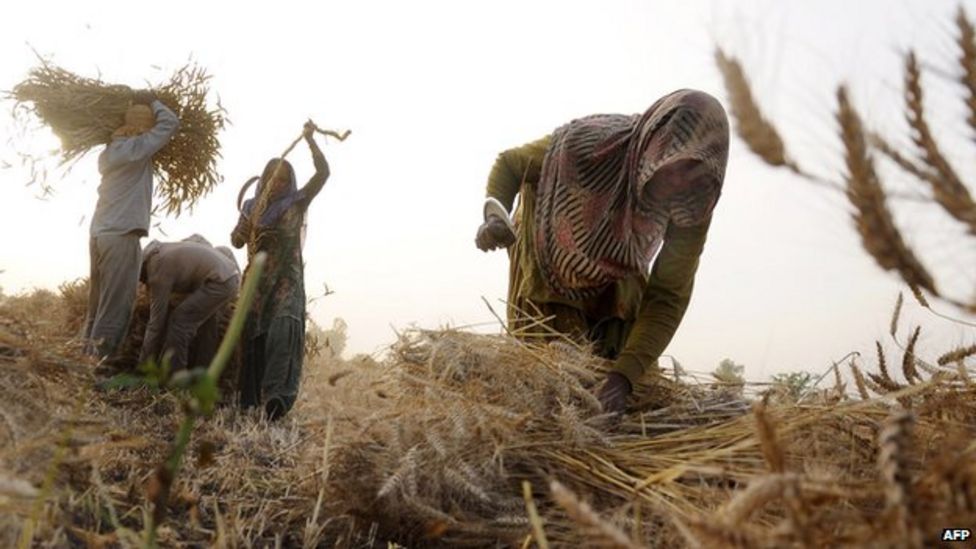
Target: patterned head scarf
point(278, 206)
point(611, 185)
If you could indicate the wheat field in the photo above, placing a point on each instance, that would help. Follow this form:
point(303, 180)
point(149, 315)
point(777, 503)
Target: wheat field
point(458, 439)
point(462, 439)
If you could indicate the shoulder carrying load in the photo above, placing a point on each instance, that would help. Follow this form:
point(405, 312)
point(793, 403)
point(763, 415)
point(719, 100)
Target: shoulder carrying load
point(84, 112)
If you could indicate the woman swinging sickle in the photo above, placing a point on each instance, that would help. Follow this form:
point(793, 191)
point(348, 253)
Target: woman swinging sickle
point(274, 335)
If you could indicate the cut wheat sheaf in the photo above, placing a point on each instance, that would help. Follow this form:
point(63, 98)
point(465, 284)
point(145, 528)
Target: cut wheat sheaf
point(83, 112)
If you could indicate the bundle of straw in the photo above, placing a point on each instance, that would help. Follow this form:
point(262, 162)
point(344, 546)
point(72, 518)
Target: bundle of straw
point(83, 113)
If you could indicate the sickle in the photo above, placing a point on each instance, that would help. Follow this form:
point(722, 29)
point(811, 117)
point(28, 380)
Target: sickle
point(240, 195)
point(340, 136)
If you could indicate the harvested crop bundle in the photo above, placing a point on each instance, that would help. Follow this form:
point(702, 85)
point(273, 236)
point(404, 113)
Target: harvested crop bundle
point(83, 113)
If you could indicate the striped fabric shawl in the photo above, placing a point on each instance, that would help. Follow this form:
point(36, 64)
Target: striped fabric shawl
point(601, 214)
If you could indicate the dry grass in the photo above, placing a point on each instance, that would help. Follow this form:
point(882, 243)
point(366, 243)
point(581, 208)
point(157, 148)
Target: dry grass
point(432, 446)
point(83, 113)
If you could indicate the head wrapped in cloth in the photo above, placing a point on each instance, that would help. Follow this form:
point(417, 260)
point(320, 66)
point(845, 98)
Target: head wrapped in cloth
point(284, 192)
point(139, 119)
point(612, 184)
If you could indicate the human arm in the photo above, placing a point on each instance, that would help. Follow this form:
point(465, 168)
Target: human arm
point(240, 234)
point(142, 147)
point(512, 167)
point(318, 179)
point(665, 300)
point(160, 290)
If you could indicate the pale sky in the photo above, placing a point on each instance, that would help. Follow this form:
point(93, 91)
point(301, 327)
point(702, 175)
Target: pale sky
point(434, 90)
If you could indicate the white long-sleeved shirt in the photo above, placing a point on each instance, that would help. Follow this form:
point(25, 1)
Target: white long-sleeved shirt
point(125, 193)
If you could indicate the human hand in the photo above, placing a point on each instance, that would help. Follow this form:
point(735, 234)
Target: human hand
point(308, 130)
point(494, 234)
point(614, 392)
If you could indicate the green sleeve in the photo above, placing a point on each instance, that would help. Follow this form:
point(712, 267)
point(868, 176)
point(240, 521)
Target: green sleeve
point(665, 300)
point(514, 166)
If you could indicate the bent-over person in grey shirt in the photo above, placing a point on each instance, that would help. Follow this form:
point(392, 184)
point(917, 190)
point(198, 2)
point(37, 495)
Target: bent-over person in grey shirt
point(121, 218)
point(209, 277)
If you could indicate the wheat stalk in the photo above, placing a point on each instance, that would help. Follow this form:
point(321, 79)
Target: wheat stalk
point(538, 530)
point(702, 533)
point(840, 388)
point(967, 61)
point(893, 443)
point(879, 235)
point(908, 165)
point(948, 190)
point(759, 492)
point(771, 449)
point(860, 383)
point(602, 532)
point(908, 359)
point(893, 330)
point(755, 129)
point(886, 380)
point(957, 355)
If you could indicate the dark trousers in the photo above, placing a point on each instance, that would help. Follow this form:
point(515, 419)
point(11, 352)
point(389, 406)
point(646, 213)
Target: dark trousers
point(205, 344)
point(198, 311)
point(115, 263)
point(272, 368)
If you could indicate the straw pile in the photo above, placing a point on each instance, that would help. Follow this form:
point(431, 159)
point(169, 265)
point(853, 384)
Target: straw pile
point(430, 447)
point(83, 113)
point(462, 420)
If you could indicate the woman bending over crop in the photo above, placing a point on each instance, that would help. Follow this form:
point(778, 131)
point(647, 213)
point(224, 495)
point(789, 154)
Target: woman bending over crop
point(599, 198)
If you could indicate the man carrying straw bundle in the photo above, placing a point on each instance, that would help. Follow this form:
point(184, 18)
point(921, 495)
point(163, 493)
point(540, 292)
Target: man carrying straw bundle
point(599, 197)
point(121, 218)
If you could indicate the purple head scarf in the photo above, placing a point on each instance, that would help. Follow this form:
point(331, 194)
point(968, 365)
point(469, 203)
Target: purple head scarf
point(277, 207)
